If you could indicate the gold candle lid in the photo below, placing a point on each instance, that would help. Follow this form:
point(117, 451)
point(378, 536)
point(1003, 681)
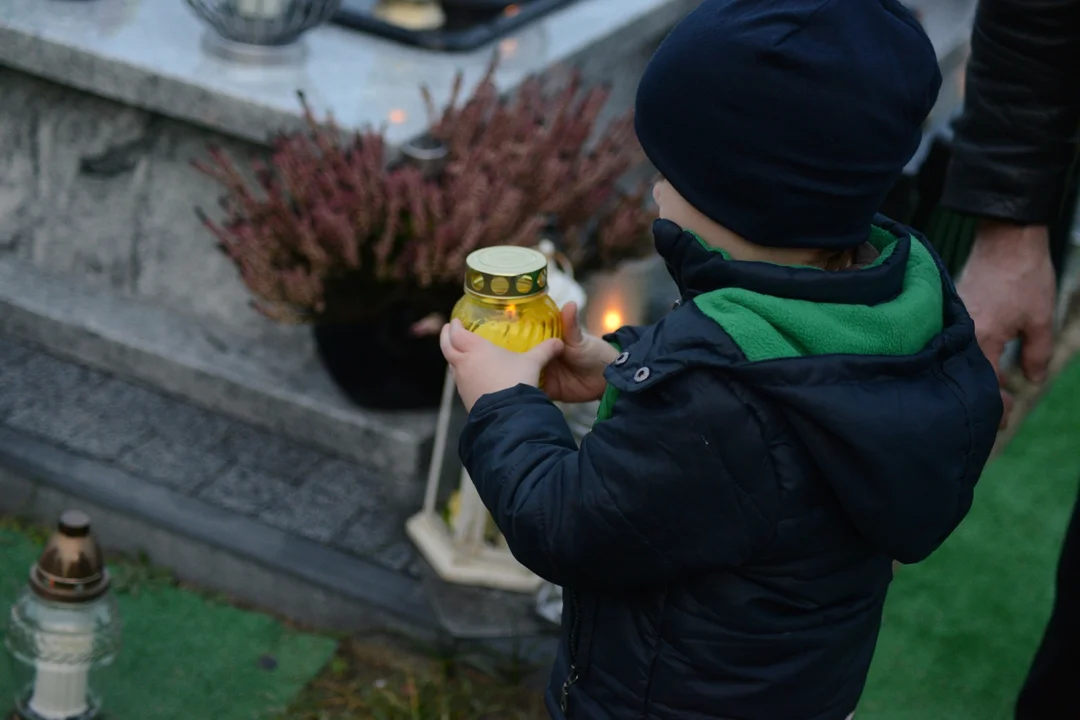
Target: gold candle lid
point(506, 272)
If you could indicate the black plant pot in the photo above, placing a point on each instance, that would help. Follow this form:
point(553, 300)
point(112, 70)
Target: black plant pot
point(381, 365)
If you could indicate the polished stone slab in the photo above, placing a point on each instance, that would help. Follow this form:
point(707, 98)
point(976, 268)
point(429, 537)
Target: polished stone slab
point(148, 54)
point(268, 377)
point(108, 102)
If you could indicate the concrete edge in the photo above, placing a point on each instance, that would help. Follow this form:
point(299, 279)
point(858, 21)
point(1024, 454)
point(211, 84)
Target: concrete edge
point(82, 70)
point(182, 357)
point(240, 117)
point(208, 546)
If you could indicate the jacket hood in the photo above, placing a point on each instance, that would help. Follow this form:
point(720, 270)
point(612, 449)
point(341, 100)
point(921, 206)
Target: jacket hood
point(876, 370)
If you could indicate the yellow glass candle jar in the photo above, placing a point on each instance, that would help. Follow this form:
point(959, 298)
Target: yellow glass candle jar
point(506, 298)
point(506, 301)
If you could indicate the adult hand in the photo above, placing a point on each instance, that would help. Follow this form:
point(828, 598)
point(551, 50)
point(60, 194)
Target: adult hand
point(577, 373)
point(1010, 290)
point(480, 367)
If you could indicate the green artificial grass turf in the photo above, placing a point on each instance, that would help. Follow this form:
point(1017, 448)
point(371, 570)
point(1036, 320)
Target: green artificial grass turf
point(185, 655)
point(960, 629)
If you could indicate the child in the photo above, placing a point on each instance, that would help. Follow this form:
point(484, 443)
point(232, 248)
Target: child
point(815, 407)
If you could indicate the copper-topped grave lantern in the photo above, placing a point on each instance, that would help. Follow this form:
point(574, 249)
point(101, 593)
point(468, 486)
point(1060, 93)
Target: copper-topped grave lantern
point(64, 627)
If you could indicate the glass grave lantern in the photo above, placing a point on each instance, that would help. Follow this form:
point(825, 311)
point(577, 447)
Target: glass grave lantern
point(261, 32)
point(453, 530)
point(63, 628)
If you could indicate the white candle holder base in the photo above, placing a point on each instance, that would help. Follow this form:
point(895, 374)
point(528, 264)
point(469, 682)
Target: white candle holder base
point(25, 713)
point(481, 567)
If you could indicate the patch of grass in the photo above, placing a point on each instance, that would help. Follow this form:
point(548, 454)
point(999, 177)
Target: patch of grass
point(377, 677)
point(388, 678)
point(960, 629)
point(32, 531)
point(134, 576)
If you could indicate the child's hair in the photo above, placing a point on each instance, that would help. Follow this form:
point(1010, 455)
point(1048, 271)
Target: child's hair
point(831, 259)
point(837, 259)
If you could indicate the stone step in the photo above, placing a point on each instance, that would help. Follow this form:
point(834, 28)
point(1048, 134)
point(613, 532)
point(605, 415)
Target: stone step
point(267, 375)
point(280, 524)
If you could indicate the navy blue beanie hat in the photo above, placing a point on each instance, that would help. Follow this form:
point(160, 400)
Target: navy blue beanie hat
point(788, 121)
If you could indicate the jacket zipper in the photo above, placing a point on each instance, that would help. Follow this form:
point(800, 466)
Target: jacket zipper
point(575, 630)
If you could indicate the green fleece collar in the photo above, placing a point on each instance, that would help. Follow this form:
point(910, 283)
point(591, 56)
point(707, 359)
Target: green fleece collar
point(767, 327)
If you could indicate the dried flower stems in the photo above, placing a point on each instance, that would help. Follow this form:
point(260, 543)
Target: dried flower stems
point(327, 232)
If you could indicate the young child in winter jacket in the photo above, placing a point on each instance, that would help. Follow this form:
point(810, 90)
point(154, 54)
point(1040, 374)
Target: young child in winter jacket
point(815, 406)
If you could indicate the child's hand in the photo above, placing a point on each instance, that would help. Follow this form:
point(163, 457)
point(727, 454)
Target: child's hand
point(480, 367)
point(577, 373)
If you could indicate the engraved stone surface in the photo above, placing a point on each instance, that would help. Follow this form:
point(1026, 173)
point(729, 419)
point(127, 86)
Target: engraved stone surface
point(322, 507)
point(11, 355)
point(106, 193)
point(265, 375)
point(42, 374)
point(163, 440)
point(177, 422)
point(176, 254)
point(245, 490)
point(48, 397)
point(271, 454)
point(379, 535)
point(103, 190)
point(180, 466)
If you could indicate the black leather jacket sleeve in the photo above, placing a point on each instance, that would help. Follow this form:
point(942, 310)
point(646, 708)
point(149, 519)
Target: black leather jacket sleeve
point(1016, 138)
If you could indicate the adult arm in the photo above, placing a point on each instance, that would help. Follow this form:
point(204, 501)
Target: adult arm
point(1016, 138)
point(1011, 153)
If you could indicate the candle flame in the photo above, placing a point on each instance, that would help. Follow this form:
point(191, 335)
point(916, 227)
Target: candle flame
point(612, 321)
point(398, 117)
point(508, 47)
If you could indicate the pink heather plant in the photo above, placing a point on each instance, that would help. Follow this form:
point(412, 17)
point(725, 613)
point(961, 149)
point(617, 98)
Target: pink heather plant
point(327, 232)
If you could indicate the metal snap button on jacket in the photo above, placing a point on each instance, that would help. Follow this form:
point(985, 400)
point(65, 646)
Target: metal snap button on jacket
point(641, 375)
point(623, 357)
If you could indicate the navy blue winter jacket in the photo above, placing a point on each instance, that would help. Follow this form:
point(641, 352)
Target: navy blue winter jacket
point(726, 536)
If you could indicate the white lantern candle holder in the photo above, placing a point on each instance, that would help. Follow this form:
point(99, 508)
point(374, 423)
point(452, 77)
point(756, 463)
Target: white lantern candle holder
point(63, 628)
point(465, 548)
point(625, 295)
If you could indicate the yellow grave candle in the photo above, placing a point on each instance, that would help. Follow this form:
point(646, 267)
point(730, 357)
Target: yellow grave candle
point(506, 298)
point(506, 301)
